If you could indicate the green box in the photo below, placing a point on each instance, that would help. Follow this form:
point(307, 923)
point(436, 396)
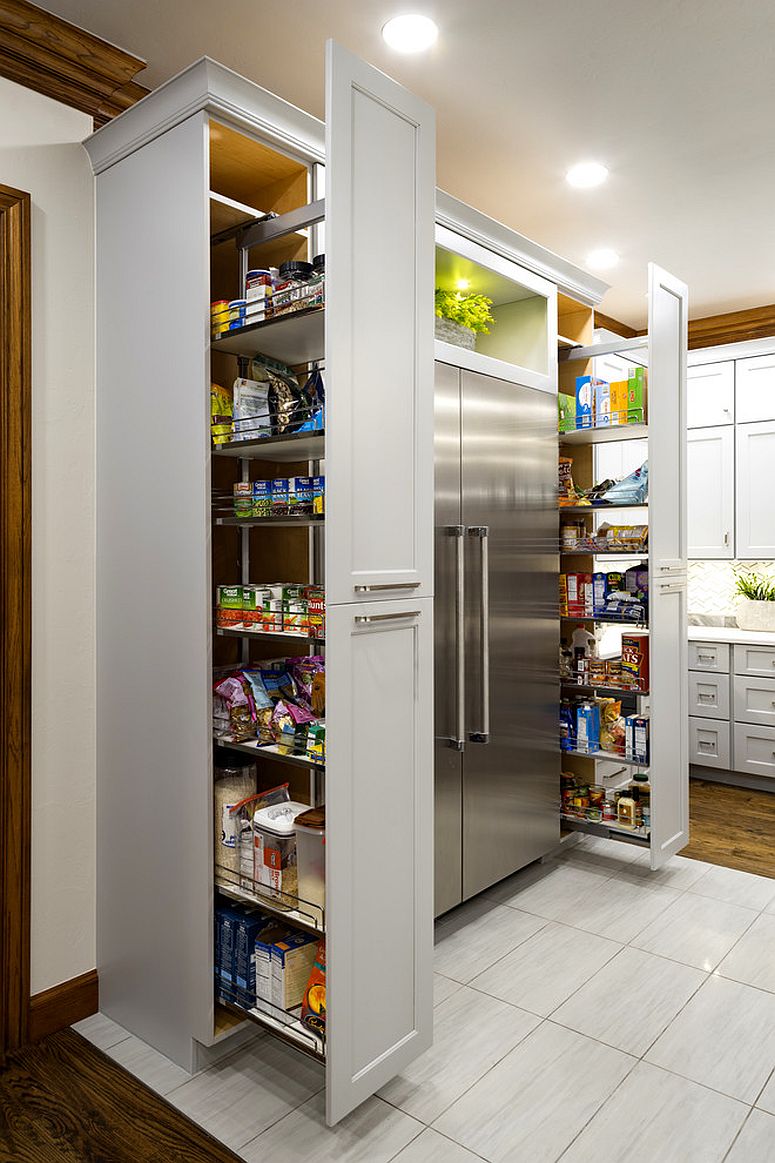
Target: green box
point(636, 396)
point(230, 597)
point(566, 408)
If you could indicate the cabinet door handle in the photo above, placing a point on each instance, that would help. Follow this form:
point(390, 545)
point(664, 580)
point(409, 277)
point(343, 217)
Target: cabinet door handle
point(705, 698)
point(387, 586)
point(365, 619)
point(712, 658)
point(726, 539)
point(704, 743)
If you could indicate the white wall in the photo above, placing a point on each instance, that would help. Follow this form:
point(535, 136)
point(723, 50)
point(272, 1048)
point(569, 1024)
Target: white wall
point(40, 153)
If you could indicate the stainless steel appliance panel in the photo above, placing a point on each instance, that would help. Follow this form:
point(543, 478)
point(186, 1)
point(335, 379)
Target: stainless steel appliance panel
point(509, 508)
point(448, 576)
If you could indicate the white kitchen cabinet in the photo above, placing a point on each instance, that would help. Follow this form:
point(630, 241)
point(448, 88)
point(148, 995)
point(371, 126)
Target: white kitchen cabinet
point(755, 389)
point(709, 695)
point(380, 243)
point(755, 511)
point(755, 658)
point(754, 700)
point(710, 742)
point(754, 750)
point(710, 476)
point(710, 398)
point(709, 656)
point(379, 829)
point(154, 165)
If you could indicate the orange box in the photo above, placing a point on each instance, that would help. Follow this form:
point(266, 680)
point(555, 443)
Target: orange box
point(619, 401)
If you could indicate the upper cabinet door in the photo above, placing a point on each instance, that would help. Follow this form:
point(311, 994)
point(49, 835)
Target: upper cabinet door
point(710, 394)
point(711, 492)
point(755, 511)
point(755, 388)
point(668, 314)
point(380, 210)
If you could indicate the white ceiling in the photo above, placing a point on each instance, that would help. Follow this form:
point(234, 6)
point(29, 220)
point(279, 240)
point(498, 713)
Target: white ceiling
point(675, 96)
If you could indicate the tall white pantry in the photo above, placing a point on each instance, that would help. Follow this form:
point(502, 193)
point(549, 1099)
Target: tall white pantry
point(198, 162)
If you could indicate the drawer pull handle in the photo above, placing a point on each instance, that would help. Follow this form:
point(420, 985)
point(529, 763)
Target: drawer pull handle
point(387, 586)
point(705, 743)
point(364, 620)
point(712, 658)
point(705, 698)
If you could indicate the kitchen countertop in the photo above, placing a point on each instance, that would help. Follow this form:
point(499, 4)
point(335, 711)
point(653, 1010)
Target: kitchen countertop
point(730, 634)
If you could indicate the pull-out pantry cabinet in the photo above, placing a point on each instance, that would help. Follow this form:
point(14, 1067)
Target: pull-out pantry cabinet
point(155, 216)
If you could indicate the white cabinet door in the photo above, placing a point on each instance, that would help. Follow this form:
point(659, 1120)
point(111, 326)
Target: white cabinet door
point(709, 695)
point(755, 658)
point(754, 700)
point(755, 388)
point(668, 313)
point(710, 487)
point(380, 211)
point(709, 656)
point(709, 743)
point(755, 476)
point(379, 844)
point(754, 749)
point(710, 394)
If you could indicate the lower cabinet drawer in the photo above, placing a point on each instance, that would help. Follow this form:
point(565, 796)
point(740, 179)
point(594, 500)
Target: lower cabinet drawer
point(709, 743)
point(754, 700)
point(755, 749)
point(709, 694)
point(753, 658)
point(709, 656)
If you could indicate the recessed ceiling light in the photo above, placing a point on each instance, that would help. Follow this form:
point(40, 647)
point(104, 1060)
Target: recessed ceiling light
point(462, 284)
point(602, 259)
point(410, 33)
point(585, 175)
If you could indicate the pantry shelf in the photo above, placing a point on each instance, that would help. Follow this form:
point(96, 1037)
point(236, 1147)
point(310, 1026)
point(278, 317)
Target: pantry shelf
point(271, 751)
point(285, 636)
point(278, 522)
point(286, 449)
point(608, 829)
point(311, 921)
point(586, 510)
point(603, 553)
point(608, 621)
point(604, 435)
point(298, 337)
point(602, 689)
point(611, 756)
point(290, 1030)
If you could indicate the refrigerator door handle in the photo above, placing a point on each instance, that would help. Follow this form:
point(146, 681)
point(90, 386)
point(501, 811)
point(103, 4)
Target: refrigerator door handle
point(458, 740)
point(482, 532)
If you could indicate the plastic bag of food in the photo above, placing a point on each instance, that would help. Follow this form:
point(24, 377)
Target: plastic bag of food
point(221, 410)
point(631, 490)
point(313, 1007)
point(567, 489)
point(286, 401)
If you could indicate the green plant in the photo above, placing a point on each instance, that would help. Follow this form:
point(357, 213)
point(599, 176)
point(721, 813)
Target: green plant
point(754, 586)
point(470, 310)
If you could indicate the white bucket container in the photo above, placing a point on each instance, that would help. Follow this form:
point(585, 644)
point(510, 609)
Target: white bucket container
point(311, 857)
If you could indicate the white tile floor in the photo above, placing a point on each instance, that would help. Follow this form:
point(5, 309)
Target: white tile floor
point(586, 1010)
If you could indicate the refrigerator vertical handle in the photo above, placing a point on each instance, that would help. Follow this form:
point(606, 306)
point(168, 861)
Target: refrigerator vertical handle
point(483, 533)
point(458, 741)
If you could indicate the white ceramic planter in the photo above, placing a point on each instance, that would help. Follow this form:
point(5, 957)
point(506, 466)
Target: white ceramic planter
point(455, 333)
point(755, 615)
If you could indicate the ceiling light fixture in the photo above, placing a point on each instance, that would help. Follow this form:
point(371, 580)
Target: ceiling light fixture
point(410, 33)
point(585, 175)
point(602, 259)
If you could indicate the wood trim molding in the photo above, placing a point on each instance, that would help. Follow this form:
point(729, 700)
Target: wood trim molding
point(15, 614)
point(57, 1008)
point(62, 61)
point(614, 325)
point(733, 327)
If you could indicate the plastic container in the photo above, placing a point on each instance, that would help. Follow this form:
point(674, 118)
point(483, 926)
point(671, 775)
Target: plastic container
point(311, 856)
point(274, 858)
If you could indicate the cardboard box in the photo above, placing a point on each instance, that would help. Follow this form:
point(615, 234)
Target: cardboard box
point(300, 496)
point(263, 962)
point(636, 738)
point(602, 403)
point(585, 402)
point(262, 498)
point(566, 410)
point(279, 496)
point(318, 496)
point(563, 595)
point(619, 401)
point(636, 396)
point(292, 959)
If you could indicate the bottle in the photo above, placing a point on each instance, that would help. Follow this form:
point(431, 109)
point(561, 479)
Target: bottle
point(626, 810)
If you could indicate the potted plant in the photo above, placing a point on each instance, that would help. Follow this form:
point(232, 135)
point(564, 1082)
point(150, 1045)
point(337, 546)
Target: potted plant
point(459, 316)
point(755, 601)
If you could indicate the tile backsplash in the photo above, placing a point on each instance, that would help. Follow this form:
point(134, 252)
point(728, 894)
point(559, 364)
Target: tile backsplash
point(712, 586)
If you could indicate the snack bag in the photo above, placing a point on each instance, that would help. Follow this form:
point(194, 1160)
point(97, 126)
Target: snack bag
point(567, 489)
point(313, 1006)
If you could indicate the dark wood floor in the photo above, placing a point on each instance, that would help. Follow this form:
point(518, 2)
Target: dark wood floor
point(63, 1101)
point(732, 826)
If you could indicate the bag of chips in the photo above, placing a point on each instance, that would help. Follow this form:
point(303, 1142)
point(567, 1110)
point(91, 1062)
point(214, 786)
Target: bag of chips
point(313, 1006)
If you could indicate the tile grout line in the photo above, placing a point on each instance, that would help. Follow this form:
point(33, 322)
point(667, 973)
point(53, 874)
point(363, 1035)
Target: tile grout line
point(737, 1136)
point(770, 1077)
point(598, 1109)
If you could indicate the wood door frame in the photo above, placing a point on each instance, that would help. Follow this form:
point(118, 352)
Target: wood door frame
point(15, 614)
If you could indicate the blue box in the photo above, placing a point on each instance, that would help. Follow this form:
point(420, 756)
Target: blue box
point(585, 402)
point(247, 929)
point(588, 727)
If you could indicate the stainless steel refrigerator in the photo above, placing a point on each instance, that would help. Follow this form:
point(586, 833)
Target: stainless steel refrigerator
point(496, 631)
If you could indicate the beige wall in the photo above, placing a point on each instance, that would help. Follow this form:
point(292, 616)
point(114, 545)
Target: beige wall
point(40, 153)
